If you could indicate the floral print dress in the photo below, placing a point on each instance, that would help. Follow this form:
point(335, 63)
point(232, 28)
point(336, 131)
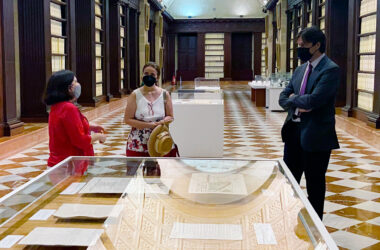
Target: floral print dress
point(148, 112)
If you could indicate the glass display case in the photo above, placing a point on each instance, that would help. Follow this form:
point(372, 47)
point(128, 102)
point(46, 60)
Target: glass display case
point(162, 203)
point(206, 83)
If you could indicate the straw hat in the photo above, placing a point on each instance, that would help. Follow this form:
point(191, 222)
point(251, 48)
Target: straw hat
point(160, 141)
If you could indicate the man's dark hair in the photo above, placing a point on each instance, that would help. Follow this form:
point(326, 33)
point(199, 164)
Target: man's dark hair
point(313, 35)
point(57, 89)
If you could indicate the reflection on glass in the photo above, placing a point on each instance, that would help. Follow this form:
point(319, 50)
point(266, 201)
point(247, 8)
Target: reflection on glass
point(159, 194)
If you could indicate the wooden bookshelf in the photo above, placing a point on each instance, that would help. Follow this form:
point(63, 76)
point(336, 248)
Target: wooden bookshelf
point(309, 13)
point(47, 34)
point(59, 35)
point(123, 46)
point(365, 72)
point(291, 44)
point(99, 47)
point(322, 14)
point(214, 55)
point(264, 56)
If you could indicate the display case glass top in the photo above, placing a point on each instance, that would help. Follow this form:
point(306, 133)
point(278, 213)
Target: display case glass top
point(163, 203)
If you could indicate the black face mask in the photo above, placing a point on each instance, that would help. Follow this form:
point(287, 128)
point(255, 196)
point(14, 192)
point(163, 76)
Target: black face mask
point(304, 54)
point(149, 80)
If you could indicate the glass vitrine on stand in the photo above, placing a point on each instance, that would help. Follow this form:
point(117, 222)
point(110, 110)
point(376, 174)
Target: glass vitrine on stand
point(162, 203)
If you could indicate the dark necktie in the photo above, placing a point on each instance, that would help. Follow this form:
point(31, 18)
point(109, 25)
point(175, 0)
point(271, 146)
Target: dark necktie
point(304, 83)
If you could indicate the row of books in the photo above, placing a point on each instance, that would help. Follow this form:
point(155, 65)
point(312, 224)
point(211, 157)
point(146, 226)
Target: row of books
point(367, 63)
point(213, 70)
point(322, 24)
point(214, 47)
point(213, 64)
point(366, 81)
point(55, 10)
point(56, 28)
point(99, 76)
point(310, 18)
point(263, 58)
point(367, 6)
point(367, 44)
point(98, 22)
point(214, 41)
point(98, 63)
point(365, 101)
point(98, 49)
point(99, 89)
point(58, 63)
point(57, 45)
point(214, 53)
point(122, 35)
point(98, 9)
point(214, 58)
point(97, 36)
point(368, 24)
point(214, 35)
point(323, 11)
point(214, 75)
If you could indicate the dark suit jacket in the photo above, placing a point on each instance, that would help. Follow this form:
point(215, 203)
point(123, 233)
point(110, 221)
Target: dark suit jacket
point(318, 125)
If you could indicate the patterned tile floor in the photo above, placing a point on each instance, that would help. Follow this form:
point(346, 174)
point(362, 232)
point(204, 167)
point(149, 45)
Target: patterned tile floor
point(352, 204)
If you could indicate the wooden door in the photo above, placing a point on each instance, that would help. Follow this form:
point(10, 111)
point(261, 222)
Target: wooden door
point(241, 50)
point(187, 57)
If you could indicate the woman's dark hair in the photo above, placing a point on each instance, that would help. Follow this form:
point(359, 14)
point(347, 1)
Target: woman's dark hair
point(313, 35)
point(153, 65)
point(57, 89)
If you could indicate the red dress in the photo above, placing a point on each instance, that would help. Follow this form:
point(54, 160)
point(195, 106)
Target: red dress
point(69, 133)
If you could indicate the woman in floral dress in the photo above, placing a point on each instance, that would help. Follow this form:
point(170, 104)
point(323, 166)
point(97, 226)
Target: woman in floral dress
point(146, 109)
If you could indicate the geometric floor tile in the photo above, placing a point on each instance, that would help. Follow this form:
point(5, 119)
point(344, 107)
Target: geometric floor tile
point(331, 207)
point(356, 213)
point(22, 170)
point(370, 206)
point(366, 229)
point(351, 183)
point(362, 194)
point(338, 222)
point(375, 221)
point(352, 241)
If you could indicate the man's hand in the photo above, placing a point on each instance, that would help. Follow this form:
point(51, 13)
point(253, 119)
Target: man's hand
point(304, 110)
point(291, 95)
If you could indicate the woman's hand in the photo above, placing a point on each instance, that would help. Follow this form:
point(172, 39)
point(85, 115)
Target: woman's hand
point(97, 128)
point(98, 137)
point(166, 120)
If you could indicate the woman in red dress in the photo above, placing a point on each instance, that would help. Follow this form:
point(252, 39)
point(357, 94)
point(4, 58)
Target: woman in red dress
point(69, 130)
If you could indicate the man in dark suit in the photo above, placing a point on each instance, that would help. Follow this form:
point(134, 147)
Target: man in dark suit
point(309, 129)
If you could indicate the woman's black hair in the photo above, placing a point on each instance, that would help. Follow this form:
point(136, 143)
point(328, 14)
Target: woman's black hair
point(57, 89)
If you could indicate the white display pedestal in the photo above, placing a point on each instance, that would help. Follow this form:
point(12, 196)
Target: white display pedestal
point(198, 127)
point(274, 96)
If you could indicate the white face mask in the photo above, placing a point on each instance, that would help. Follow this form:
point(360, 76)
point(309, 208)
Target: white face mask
point(77, 91)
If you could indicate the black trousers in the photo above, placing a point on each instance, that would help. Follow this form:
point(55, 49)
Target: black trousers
point(313, 164)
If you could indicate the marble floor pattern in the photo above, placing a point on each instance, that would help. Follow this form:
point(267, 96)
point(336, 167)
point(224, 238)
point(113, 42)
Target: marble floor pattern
point(352, 207)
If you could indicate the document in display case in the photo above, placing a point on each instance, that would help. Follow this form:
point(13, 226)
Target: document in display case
point(223, 203)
